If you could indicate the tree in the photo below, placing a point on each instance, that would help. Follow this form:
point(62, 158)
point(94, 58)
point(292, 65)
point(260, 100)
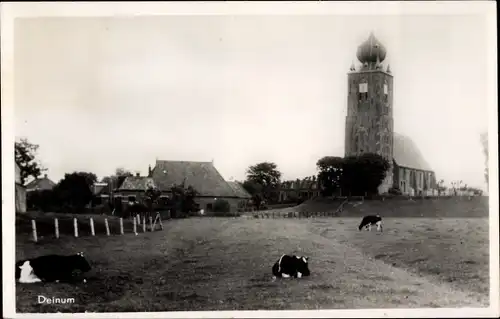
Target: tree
point(363, 174)
point(43, 200)
point(183, 200)
point(265, 174)
point(151, 196)
point(484, 142)
point(25, 157)
point(441, 188)
point(263, 179)
point(330, 174)
point(255, 190)
point(75, 189)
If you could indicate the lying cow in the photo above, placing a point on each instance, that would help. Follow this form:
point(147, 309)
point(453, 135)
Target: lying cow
point(26, 273)
point(370, 220)
point(291, 266)
point(51, 268)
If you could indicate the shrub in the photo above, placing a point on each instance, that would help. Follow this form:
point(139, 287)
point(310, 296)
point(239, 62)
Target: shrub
point(221, 206)
point(395, 191)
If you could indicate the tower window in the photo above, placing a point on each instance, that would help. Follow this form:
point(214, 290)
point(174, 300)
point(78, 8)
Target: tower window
point(363, 87)
point(363, 92)
point(386, 89)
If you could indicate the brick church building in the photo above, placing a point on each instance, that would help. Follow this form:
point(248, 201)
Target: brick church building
point(370, 125)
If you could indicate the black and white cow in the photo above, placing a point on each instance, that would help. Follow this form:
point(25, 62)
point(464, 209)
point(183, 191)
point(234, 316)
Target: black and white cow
point(51, 268)
point(291, 266)
point(370, 220)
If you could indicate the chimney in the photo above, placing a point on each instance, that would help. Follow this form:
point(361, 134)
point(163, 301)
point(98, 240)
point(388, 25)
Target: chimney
point(137, 174)
point(150, 171)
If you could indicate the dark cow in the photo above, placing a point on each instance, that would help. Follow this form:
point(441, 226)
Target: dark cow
point(370, 220)
point(53, 267)
point(291, 266)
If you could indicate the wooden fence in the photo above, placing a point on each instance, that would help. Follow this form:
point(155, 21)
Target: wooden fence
point(264, 214)
point(138, 224)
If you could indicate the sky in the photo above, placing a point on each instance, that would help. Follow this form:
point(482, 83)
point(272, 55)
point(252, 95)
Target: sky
point(100, 93)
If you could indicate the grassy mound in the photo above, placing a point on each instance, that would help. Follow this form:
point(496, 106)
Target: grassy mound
point(452, 207)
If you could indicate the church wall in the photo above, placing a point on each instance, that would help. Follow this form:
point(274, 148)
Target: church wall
point(413, 181)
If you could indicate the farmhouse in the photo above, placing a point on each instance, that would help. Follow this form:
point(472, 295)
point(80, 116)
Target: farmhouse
point(370, 125)
point(202, 176)
point(245, 198)
point(40, 184)
point(20, 192)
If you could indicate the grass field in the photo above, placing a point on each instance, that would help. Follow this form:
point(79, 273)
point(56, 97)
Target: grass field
point(225, 264)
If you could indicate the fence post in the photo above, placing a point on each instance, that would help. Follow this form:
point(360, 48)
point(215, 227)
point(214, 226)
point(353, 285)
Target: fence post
point(75, 226)
point(138, 219)
point(56, 226)
point(135, 225)
point(151, 223)
point(159, 220)
point(121, 226)
point(154, 223)
point(33, 227)
point(107, 226)
point(144, 224)
point(92, 230)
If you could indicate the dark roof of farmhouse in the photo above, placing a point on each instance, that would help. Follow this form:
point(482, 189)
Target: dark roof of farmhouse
point(43, 183)
point(239, 190)
point(407, 154)
point(137, 183)
point(202, 176)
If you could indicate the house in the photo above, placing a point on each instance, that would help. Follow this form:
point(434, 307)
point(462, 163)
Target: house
point(20, 192)
point(40, 184)
point(299, 189)
point(202, 176)
point(133, 188)
point(101, 193)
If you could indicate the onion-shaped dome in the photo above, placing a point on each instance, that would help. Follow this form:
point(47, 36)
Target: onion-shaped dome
point(371, 51)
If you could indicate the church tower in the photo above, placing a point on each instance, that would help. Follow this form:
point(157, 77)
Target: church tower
point(369, 121)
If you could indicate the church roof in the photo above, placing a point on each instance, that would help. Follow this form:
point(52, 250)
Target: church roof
point(371, 51)
point(407, 154)
point(202, 176)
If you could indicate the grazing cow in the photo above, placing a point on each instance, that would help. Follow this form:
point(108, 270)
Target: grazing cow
point(370, 220)
point(291, 266)
point(53, 267)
